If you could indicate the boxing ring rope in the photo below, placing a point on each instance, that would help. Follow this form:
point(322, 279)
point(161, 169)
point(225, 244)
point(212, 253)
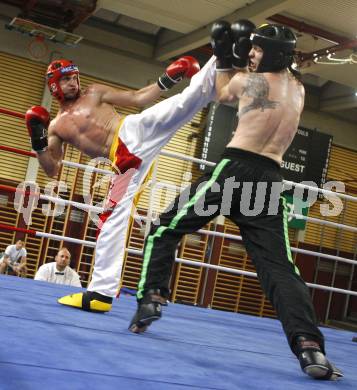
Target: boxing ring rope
point(297, 216)
point(167, 185)
point(287, 182)
point(96, 209)
point(293, 249)
point(12, 113)
point(55, 237)
point(177, 259)
point(185, 158)
point(71, 164)
point(54, 199)
point(89, 168)
point(324, 222)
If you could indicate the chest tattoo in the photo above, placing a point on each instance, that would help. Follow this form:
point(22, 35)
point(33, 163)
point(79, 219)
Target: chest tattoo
point(257, 88)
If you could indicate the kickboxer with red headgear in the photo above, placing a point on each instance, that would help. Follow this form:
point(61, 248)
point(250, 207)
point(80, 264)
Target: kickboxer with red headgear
point(88, 120)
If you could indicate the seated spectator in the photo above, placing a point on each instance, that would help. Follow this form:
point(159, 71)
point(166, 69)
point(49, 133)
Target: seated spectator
point(59, 271)
point(14, 259)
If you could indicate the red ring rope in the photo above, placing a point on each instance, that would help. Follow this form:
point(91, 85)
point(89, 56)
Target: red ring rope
point(14, 189)
point(12, 113)
point(17, 151)
point(17, 229)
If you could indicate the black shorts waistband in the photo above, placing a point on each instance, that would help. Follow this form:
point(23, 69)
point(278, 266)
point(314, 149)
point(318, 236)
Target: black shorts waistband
point(237, 154)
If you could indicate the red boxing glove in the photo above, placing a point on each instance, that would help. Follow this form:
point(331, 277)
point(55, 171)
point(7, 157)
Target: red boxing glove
point(183, 67)
point(37, 120)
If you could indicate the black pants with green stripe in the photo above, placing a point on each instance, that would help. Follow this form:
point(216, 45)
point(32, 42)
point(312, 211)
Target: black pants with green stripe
point(244, 187)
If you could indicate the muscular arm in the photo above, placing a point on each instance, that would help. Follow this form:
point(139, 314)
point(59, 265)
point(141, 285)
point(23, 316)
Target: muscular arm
point(228, 85)
point(139, 98)
point(51, 158)
point(222, 81)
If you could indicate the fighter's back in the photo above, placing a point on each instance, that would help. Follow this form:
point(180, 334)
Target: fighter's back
point(270, 106)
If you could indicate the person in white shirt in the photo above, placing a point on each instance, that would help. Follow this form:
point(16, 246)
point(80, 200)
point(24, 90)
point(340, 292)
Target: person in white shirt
point(59, 271)
point(14, 259)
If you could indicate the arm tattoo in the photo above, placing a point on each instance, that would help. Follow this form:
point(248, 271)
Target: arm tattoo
point(257, 88)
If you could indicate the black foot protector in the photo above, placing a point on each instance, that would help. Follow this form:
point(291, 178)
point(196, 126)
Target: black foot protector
point(313, 362)
point(149, 310)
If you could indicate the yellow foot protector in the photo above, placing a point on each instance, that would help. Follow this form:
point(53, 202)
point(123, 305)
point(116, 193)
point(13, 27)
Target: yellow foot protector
point(89, 301)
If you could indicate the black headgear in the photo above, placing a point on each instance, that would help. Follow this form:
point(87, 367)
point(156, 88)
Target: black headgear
point(278, 43)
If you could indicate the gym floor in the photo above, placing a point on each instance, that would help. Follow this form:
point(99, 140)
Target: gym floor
point(48, 346)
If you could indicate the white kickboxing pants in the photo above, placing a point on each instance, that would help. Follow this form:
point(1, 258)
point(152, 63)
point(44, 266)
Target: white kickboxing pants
point(144, 135)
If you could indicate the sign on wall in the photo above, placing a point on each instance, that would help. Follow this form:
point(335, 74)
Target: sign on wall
point(222, 122)
point(307, 157)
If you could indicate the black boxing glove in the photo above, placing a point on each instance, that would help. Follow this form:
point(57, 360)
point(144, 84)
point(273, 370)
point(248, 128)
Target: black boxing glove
point(221, 42)
point(242, 45)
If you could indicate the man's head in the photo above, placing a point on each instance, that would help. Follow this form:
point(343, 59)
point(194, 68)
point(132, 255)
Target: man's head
point(19, 244)
point(63, 258)
point(273, 48)
point(63, 80)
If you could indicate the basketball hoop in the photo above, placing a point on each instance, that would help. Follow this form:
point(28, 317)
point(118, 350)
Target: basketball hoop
point(38, 48)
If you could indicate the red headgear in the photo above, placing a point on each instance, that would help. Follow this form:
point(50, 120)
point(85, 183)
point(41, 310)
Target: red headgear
point(56, 70)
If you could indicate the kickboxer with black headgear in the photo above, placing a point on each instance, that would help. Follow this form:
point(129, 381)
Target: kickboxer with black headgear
point(254, 68)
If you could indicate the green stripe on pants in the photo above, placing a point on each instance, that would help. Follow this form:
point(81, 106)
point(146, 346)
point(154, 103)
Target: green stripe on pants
point(286, 234)
point(173, 224)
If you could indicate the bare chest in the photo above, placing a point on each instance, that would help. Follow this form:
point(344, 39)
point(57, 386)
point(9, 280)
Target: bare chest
point(77, 119)
point(86, 125)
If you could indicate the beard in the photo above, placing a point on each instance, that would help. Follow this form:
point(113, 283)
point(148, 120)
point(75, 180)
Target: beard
point(71, 96)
